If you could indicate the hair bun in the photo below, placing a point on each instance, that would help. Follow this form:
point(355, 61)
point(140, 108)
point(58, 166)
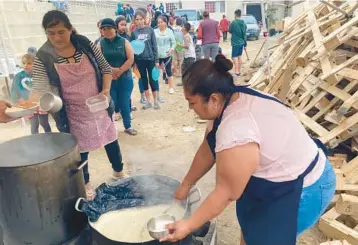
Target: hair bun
point(222, 64)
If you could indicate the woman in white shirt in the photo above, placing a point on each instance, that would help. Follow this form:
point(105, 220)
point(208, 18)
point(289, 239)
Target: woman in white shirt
point(279, 177)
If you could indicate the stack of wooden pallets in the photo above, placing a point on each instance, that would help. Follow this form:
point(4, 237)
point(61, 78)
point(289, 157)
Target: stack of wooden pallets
point(315, 71)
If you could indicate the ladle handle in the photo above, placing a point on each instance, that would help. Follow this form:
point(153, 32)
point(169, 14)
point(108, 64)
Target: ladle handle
point(74, 171)
point(79, 203)
point(191, 193)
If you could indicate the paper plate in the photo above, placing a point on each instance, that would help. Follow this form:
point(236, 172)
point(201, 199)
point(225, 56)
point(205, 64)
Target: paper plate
point(138, 47)
point(155, 73)
point(16, 112)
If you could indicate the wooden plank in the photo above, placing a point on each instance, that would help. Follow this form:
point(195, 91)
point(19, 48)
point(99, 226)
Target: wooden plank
point(336, 69)
point(336, 242)
point(348, 104)
point(309, 123)
point(304, 58)
point(347, 204)
point(348, 73)
point(346, 124)
point(336, 230)
point(339, 93)
point(350, 23)
point(351, 176)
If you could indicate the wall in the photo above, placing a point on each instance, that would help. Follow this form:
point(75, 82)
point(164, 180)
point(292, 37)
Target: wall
point(20, 23)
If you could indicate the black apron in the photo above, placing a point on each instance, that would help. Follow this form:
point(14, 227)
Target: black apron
point(267, 211)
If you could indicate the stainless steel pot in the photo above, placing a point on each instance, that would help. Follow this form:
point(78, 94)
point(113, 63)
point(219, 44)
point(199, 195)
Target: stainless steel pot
point(159, 189)
point(40, 181)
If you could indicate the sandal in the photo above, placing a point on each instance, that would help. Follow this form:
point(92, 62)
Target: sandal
point(131, 131)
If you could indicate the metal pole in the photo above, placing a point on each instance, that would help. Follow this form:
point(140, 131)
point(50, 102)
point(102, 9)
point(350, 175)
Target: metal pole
point(3, 43)
point(266, 34)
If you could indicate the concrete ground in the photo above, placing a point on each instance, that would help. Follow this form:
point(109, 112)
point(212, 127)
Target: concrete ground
point(163, 147)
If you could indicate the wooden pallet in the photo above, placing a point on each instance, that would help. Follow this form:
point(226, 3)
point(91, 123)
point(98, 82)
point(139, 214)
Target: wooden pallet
point(315, 71)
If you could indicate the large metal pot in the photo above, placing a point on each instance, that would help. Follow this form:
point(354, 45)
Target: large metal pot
point(40, 182)
point(159, 189)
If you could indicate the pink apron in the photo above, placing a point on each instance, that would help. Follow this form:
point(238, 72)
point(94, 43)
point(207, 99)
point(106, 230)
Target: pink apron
point(78, 83)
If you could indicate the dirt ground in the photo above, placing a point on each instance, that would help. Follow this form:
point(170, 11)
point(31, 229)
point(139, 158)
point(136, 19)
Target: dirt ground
point(163, 147)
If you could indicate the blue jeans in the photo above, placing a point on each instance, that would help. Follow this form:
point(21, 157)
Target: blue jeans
point(316, 198)
point(140, 84)
point(121, 91)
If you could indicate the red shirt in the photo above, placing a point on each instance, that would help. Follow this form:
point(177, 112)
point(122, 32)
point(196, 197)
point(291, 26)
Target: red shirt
point(224, 24)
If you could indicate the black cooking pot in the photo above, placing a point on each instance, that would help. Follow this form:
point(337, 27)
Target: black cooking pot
point(159, 189)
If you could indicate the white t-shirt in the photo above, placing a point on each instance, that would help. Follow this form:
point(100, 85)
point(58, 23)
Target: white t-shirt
point(286, 150)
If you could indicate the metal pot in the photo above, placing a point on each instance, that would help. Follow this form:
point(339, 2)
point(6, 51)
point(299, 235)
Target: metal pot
point(40, 181)
point(157, 187)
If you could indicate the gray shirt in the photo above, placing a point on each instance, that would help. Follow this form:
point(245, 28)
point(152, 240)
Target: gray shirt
point(146, 35)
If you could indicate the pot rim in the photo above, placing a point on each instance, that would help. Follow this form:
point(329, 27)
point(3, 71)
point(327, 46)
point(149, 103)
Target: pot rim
point(39, 135)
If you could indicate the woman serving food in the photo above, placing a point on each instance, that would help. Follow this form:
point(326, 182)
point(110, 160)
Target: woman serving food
point(279, 177)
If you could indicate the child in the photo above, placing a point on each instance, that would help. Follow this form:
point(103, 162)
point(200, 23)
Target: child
point(20, 90)
point(147, 60)
point(178, 55)
point(189, 49)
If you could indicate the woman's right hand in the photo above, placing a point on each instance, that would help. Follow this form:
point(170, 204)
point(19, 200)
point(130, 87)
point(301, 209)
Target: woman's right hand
point(182, 192)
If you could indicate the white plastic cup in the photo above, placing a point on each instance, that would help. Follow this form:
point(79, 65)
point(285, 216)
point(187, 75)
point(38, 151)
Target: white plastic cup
point(50, 103)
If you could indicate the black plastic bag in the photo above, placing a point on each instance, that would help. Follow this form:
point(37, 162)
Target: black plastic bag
point(128, 193)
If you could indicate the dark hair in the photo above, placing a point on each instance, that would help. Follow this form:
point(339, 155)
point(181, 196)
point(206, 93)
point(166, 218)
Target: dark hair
point(54, 17)
point(205, 77)
point(187, 26)
point(238, 13)
point(206, 13)
point(144, 10)
point(120, 19)
point(224, 16)
point(179, 21)
point(163, 18)
point(157, 14)
point(140, 13)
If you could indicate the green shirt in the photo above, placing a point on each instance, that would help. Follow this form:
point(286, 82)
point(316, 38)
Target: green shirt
point(238, 33)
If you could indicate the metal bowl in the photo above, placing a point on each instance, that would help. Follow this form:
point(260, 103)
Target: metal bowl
point(156, 226)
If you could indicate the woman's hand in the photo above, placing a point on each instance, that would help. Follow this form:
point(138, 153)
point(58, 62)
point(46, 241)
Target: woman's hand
point(115, 73)
point(3, 117)
point(170, 51)
point(182, 192)
point(105, 92)
point(177, 231)
point(157, 65)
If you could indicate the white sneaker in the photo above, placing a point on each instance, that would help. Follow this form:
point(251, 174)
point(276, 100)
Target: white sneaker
point(171, 91)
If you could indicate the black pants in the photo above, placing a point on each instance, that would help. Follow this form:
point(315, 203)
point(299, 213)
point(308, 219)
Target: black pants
point(145, 68)
point(224, 35)
point(167, 62)
point(38, 119)
point(187, 62)
point(114, 155)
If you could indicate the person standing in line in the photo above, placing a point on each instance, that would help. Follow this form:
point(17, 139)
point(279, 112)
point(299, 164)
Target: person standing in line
point(189, 50)
point(209, 33)
point(178, 55)
point(147, 60)
point(121, 24)
point(70, 66)
point(224, 25)
point(119, 54)
point(100, 32)
point(166, 44)
point(161, 8)
point(238, 40)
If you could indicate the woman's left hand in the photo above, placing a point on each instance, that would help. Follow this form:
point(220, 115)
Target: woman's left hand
point(105, 92)
point(177, 231)
point(157, 65)
point(170, 51)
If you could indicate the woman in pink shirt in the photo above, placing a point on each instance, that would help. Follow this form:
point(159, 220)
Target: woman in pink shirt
point(279, 177)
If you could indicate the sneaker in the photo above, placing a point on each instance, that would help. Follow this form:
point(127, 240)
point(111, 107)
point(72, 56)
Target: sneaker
point(166, 81)
point(179, 84)
point(171, 91)
point(133, 108)
point(161, 100)
point(147, 106)
point(131, 131)
point(143, 100)
point(156, 106)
